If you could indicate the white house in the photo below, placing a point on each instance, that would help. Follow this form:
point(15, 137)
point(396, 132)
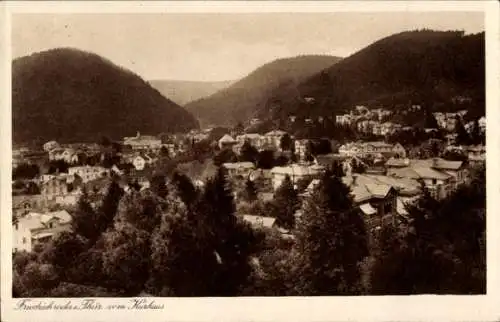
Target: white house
point(239, 168)
point(142, 142)
point(88, 173)
point(227, 142)
point(274, 138)
point(37, 228)
point(482, 123)
point(296, 172)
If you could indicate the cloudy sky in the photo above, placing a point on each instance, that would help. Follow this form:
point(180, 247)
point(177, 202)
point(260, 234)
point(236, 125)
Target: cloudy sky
point(213, 46)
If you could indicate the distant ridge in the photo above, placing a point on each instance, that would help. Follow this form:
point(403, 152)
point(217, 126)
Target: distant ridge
point(414, 67)
point(67, 94)
point(183, 92)
point(243, 99)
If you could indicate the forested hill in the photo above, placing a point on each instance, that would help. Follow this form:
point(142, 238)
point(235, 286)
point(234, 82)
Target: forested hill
point(437, 69)
point(70, 95)
point(242, 100)
point(183, 92)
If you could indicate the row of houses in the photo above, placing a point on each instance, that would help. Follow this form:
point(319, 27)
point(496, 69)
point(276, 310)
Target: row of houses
point(270, 140)
point(372, 149)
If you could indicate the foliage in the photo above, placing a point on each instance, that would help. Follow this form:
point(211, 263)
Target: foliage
point(25, 171)
point(441, 251)
point(249, 193)
point(248, 153)
point(88, 110)
point(285, 204)
point(331, 242)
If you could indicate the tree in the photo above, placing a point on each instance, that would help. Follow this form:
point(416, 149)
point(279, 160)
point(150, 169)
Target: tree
point(248, 153)
point(225, 156)
point(286, 143)
point(85, 220)
point(159, 186)
point(25, 171)
point(185, 188)
point(232, 239)
point(182, 262)
point(164, 153)
point(331, 242)
point(109, 206)
point(249, 193)
point(463, 137)
point(265, 159)
point(62, 250)
point(286, 204)
point(126, 258)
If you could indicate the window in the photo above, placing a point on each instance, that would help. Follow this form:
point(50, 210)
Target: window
point(24, 240)
point(16, 226)
point(434, 181)
point(51, 225)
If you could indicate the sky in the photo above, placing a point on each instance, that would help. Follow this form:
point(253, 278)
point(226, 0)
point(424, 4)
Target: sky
point(214, 46)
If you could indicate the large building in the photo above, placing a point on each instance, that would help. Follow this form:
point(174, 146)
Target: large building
point(37, 228)
point(441, 177)
point(142, 142)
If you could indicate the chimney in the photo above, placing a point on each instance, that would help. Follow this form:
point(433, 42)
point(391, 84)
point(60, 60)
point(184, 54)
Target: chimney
point(138, 134)
point(435, 162)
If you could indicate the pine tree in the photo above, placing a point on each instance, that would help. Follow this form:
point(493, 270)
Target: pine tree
point(185, 188)
point(85, 220)
point(109, 206)
point(285, 204)
point(331, 242)
point(248, 153)
point(249, 193)
point(233, 240)
point(462, 135)
point(286, 143)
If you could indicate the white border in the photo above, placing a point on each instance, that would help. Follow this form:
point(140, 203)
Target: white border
point(424, 307)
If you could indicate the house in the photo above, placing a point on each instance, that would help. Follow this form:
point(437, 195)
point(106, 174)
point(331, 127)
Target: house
point(328, 161)
point(274, 138)
point(51, 145)
point(142, 142)
point(440, 176)
point(398, 150)
point(451, 138)
point(296, 172)
point(301, 148)
point(374, 199)
point(88, 173)
point(227, 142)
point(377, 129)
point(36, 228)
point(260, 221)
point(243, 169)
point(389, 128)
point(345, 119)
point(254, 139)
point(482, 124)
point(476, 154)
point(24, 204)
point(56, 186)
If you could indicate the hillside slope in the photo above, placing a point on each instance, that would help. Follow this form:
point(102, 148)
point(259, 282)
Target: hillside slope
point(183, 92)
point(243, 99)
point(417, 67)
point(69, 95)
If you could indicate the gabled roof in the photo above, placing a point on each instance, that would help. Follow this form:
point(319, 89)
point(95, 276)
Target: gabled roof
point(367, 209)
point(275, 133)
point(227, 139)
point(429, 173)
point(238, 165)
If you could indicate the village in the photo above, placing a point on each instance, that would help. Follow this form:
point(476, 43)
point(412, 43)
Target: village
point(383, 177)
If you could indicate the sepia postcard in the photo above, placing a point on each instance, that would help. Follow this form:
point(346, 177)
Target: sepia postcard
point(250, 161)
